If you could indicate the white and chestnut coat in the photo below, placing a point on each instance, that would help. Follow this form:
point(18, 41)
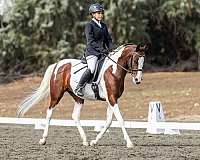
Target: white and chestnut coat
point(59, 78)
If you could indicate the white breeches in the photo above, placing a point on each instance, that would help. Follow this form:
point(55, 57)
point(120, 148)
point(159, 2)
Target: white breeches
point(92, 61)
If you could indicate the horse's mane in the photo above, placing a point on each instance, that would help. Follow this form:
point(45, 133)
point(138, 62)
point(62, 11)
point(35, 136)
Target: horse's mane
point(120, 47)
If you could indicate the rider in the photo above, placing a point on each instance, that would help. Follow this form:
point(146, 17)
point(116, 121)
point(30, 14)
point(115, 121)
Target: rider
point(98, 41)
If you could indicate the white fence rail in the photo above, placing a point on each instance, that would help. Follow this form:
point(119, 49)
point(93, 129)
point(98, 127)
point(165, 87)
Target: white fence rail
point(128, 124)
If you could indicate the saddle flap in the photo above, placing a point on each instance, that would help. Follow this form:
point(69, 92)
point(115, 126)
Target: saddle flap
point(77, 71)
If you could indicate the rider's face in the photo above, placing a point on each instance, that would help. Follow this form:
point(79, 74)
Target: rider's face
point(98, 15)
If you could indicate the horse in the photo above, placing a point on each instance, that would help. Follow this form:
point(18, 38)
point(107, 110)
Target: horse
point(63, 77)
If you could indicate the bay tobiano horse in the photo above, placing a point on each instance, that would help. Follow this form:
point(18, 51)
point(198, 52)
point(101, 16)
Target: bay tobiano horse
point(108, 86)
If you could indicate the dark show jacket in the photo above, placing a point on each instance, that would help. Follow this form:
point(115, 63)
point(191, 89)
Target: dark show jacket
point(97, 37)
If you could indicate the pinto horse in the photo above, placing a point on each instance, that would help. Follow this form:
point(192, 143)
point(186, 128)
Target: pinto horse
point(64, 75)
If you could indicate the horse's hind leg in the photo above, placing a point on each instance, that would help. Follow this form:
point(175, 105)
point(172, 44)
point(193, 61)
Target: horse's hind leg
point(107, 125)
point(48, 119)
point(57, 91)
point(76, 117)
point(45, 133)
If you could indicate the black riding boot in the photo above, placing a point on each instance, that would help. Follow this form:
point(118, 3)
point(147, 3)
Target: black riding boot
point(84, 79)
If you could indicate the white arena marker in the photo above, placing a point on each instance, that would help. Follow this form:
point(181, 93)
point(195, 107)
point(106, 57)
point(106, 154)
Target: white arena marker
point(155, 115)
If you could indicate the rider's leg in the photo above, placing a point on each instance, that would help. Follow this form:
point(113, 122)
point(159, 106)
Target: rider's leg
point(91, 61)
point(81, 84)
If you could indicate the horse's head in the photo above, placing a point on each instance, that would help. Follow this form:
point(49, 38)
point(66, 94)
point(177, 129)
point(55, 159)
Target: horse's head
point(135, 61)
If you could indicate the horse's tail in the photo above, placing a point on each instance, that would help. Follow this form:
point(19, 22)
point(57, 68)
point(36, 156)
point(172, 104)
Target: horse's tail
point(40, 93)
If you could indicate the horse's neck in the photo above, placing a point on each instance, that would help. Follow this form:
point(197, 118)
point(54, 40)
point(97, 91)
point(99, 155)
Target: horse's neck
point(120, 72)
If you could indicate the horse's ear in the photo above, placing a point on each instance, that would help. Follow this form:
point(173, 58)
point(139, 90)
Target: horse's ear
point(147, 46)
point(138, 47)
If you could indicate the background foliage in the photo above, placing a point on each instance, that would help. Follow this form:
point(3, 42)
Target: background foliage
point(40, 32)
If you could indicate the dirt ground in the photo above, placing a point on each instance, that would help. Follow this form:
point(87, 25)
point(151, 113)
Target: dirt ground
point(179, 94)
point(21, 142)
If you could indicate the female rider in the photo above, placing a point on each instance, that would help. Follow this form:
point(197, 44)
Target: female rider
point(98, 41)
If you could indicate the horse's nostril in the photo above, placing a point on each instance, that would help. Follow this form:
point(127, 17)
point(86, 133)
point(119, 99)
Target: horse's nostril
point(136, 79)
point(137, 82)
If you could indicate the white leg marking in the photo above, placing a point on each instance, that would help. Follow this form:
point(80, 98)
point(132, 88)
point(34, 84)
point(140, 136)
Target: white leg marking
point(121, 122)
point(45, 133)
point(107, 125)
point(76, 118)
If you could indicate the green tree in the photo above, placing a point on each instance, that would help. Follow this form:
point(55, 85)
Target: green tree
point(173, 28)
point(40, 32)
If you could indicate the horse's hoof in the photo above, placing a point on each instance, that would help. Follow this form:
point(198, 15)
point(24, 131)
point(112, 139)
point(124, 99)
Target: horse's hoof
point(93, 142)
point(129, 145)
point(85, 143)
point(42, 141)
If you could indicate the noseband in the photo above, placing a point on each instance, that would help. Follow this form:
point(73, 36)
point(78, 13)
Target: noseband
point(134, 70)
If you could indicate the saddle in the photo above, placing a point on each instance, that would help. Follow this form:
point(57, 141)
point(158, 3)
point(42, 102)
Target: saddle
point(94, 81)
point(99, 65)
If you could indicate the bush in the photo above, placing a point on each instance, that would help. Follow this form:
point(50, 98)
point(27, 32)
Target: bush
point(39, 33)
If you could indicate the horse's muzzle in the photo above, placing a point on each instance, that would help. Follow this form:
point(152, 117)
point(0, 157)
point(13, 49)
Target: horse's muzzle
point(136, 81)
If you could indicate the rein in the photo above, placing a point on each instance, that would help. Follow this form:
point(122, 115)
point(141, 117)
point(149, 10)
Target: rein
point(127, 70)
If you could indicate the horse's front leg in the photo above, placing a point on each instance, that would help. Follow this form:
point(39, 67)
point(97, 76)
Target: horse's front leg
point(76, 118)
point(107, 125)
point(119, 118)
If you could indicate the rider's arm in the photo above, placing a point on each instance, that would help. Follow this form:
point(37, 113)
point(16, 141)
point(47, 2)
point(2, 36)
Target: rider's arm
point(109, 42)
point(90, 37)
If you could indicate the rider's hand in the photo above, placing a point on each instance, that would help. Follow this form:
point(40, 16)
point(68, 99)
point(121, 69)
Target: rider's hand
point(105, 51)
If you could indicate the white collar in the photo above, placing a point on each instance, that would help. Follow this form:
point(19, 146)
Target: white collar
point(97, 22)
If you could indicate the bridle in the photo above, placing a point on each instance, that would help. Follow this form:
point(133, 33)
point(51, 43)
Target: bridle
point(131, 71)
point(135, 70)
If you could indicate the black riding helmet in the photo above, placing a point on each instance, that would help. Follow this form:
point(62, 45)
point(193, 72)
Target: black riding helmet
point(96, 7)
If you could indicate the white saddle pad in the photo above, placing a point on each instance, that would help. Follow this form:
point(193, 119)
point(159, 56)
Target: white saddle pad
point(77, 71)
